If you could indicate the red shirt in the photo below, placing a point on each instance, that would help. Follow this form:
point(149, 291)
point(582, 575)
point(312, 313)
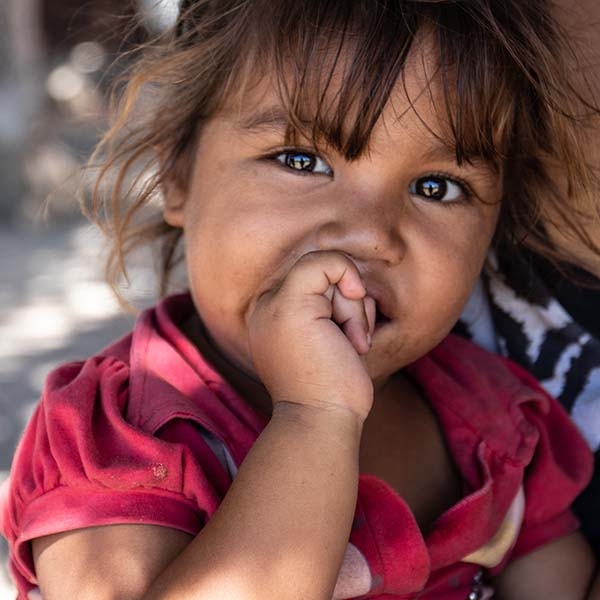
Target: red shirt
point(129, 436)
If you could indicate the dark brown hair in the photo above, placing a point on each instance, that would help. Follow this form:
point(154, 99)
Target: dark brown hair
point(507, 99)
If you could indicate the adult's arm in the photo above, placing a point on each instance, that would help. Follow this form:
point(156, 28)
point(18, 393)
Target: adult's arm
point(581, 21)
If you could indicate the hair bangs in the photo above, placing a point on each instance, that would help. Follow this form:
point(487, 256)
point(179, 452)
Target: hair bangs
point(344, 65)
point(337, 64)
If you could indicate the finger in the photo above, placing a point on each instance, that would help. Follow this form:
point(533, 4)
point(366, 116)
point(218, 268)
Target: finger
point(317, 272)
point(351, 316)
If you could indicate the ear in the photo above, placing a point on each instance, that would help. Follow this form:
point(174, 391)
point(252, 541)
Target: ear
point(174, 204)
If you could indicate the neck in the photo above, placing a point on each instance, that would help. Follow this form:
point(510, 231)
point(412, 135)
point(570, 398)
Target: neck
point(252, 390)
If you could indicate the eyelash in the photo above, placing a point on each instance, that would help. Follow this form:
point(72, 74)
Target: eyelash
point(467, 191)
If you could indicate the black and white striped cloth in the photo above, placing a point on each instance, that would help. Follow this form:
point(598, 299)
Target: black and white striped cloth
point(527, 311)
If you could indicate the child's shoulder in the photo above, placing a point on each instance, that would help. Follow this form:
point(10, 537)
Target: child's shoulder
point(143, 372)
point(149, 379)
point(115, 439)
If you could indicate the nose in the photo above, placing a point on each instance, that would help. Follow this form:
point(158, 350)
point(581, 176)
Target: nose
point(364, 231)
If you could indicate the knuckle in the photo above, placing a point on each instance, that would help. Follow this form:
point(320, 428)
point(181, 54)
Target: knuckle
point(328, 260)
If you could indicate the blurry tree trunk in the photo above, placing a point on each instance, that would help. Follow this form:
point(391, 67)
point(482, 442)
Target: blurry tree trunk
point(21, 93)
point(27, 46)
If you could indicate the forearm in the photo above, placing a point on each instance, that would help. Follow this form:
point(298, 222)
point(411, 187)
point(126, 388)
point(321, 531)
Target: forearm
point(283, 527)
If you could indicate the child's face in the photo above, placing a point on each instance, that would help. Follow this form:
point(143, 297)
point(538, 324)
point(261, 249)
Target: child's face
point(405, 213)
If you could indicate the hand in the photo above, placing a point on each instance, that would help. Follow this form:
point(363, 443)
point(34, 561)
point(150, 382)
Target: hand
point(307, 337)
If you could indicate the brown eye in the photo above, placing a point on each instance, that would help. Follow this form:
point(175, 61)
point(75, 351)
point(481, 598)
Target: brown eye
point(437, 188)
point(303, 162)
point(300, 161)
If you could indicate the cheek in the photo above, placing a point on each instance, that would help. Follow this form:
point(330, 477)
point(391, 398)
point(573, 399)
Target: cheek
point(228, 265)
point(220, 311)
point(454, 271)
point(473, 245)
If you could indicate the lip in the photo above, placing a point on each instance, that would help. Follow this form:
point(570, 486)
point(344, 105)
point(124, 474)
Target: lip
point(381, 320)
point(383, 305)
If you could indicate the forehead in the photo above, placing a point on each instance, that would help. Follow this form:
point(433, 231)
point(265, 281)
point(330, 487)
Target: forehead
point(322, 107)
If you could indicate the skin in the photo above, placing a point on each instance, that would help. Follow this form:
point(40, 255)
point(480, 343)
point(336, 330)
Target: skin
point(581, 18)
point(302, 264)
point(328, 249)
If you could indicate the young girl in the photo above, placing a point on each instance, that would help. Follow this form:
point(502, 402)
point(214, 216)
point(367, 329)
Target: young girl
point(338, 171)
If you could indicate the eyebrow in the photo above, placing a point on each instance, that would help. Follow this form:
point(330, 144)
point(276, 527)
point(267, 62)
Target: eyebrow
point(440, 152)
point(270, 118)
point(275, 119)
point(443, 153)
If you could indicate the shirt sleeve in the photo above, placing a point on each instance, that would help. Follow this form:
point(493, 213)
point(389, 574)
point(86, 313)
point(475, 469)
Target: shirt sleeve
point(80, 463)
point(560, 469)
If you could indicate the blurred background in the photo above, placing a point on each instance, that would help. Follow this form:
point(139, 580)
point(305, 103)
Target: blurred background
point(58, 59)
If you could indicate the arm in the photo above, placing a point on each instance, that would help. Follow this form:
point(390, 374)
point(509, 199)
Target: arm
point(280, 533)
point(282, 529)
point(581, 20)
point(562, 569)
point(114, 561)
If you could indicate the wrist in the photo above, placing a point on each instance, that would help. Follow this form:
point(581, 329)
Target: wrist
point(329, 420)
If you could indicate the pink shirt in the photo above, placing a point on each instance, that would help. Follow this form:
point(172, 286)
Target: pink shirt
point(138, 434)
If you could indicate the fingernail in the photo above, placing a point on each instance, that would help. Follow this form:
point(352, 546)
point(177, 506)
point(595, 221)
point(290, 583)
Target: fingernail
point(369, 339)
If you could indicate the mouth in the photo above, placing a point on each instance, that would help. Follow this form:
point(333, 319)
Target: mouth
point(381, 319)
point(381, 306)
